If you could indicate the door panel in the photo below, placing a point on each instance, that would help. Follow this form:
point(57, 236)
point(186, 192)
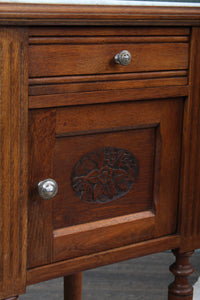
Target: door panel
point(117, 169)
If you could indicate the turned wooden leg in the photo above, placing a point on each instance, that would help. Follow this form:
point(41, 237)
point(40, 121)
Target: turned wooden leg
point(180, 289)
point(73, 287)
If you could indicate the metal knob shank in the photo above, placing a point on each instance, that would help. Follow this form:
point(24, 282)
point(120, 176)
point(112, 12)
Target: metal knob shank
point(47, 188)
point(123, 58)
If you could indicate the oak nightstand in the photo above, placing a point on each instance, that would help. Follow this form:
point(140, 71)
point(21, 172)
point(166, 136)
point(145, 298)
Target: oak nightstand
point(100, 134)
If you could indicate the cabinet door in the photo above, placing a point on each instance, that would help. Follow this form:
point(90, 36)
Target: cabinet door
point(117, 170)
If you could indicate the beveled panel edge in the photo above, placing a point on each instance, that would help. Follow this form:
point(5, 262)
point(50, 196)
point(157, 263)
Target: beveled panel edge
point(52, 14)
point(99, 40)
point(69, 99)
point(94, 240)
point(100, 31)
point(39, 81)
point(84, 87)
point(102, 223)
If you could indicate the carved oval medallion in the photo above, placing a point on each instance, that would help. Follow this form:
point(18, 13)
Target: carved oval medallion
point(104, 175)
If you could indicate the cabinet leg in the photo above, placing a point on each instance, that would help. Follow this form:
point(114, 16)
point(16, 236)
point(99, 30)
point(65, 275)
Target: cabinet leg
point(180, 289)
point(73, 287)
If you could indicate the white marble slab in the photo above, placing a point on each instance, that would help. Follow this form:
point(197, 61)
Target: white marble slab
point(109, 2)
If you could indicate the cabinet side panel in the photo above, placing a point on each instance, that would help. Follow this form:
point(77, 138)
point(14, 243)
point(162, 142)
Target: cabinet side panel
point(13, 160)
point(190, 186)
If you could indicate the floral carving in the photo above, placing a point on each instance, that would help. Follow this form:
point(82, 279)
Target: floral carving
point(104, 175)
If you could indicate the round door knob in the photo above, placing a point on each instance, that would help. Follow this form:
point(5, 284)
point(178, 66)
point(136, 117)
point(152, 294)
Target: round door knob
point(123, 58)
point(47, 188)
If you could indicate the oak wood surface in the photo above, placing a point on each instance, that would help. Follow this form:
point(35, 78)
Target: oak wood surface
point(68, 209)
point(106, 85)
point(107, 96)
point(107, 77)
point(92, 240)
point(169, 218)
point(103, 223)
point(181, 269)
point(96, 40)
point(92, 58)
point(13, 158)
point(60, 137)
point(41, 146)
point(189, 225)
point(124, 280)
point(41, 14)
point(77, 63)
point(73, 287)
point(97, 31)
point(138, 115)
point(87, 262)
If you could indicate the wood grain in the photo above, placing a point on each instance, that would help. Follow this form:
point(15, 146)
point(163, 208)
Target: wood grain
point(41, 14)
point(107, 77)
point(73, 287)
point(87, 262)
point(68, 99)
point(13, 157)
point(60, 137)
point(105, 85)
point(67, 59)
point(124, 231)
point(41, 146)
point(61, 232)
point(69, 210)
point(114, 116)
point(82, 40)
point(110, 31)
point(73, 67)
point(181, 269)
point(190, 187)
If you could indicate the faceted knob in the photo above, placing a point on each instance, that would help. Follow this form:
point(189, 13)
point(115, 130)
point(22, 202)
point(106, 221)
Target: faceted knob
point(47, 188)
point(123, 58)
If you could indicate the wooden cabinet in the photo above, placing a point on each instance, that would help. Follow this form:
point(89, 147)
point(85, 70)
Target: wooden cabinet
point(119, 137)
point(113, 164)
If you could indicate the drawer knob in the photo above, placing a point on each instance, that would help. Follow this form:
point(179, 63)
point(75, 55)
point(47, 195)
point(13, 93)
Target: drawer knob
point(47, 188)
point(123, 58)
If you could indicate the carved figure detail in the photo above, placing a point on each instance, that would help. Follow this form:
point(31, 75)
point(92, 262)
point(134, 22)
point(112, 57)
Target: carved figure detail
point(104, 175)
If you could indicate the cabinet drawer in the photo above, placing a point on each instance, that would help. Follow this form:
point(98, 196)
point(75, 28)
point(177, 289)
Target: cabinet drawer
point(89, 52)
point(117, 169)
point(86, 58)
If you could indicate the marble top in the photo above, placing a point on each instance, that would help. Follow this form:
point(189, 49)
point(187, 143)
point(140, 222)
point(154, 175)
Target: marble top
point(190, 3)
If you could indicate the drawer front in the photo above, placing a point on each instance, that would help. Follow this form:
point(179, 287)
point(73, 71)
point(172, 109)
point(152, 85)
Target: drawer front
point(91, 51)
point(117, 170)
point(89, 57)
